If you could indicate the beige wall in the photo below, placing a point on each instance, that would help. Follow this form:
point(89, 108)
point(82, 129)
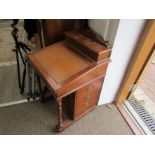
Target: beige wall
point(107, 28)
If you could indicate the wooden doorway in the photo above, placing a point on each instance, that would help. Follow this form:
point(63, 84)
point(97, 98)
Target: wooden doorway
point(142, 54)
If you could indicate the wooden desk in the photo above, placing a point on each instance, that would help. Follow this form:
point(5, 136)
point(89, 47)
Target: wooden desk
point(74, 71)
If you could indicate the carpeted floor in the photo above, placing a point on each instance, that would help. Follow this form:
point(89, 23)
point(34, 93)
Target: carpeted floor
point(7, 42)
point(35, 118)
point(9, 91)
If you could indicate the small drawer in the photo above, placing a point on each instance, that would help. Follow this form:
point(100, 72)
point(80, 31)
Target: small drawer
point(86, 107)
point(92, 103)
point(85, 90)
point(87, 97)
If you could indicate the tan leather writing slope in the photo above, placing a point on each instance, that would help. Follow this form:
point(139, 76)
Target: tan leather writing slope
point(61, 62)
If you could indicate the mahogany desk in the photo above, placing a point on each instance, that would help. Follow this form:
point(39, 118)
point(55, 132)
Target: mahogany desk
point(73, 71)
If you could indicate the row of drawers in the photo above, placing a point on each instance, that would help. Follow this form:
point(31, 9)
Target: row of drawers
point(87, 97)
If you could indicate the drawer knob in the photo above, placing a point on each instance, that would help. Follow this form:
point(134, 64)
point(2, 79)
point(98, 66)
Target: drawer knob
point(85, 106)
point(88, 96)
point(86, 103)
point(90, 87)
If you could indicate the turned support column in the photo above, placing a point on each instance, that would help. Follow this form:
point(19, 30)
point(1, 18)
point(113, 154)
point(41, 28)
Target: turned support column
point(60, 119)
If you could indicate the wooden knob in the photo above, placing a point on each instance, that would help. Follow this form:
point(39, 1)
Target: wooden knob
point(86, 103)
point(90, 87)
point(88, 96)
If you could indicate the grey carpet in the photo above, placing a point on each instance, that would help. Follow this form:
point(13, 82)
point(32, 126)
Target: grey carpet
point(41, 118)
point(9, 91)
point(9, 84)
point(7, 42)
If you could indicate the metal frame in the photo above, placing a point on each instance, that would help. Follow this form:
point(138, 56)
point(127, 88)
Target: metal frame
point(21, 50)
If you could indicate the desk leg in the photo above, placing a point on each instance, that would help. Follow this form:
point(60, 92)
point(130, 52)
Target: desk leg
point(60, 120)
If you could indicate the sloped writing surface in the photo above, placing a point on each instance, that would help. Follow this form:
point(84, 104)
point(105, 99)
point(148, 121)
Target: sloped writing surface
point(61, 62)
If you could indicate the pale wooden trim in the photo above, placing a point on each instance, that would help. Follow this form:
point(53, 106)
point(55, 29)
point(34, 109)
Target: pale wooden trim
point(142, 53)
point(129, 120)
point(143, 71)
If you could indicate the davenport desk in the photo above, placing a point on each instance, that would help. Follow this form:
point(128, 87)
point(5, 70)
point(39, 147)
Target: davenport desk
point(73, 70)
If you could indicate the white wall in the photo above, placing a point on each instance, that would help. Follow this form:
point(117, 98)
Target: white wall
point(126, 38)
point(107, 28)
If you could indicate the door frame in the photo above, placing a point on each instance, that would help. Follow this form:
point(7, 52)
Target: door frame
point(141, 56)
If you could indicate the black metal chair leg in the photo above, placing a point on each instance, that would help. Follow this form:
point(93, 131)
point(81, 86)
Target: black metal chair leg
point(27, 71)
point(40, 89)
point(29, 82)
point(18, 70)
point(23, 80)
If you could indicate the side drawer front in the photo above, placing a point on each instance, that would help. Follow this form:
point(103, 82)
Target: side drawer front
point(87, 97)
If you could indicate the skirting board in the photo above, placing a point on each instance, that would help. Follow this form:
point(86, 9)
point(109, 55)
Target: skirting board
point(17, 102)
